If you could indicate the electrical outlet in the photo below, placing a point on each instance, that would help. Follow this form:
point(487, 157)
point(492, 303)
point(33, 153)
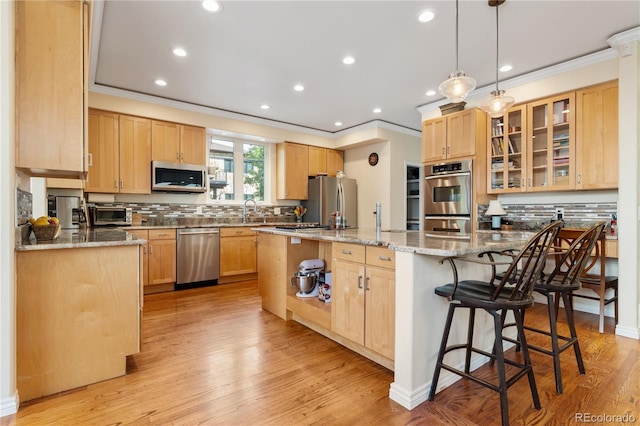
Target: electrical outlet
point(199, 210)
point(559, 213)
point(276, 210)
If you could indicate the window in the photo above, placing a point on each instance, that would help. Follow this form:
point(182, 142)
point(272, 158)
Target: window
point(235, 164)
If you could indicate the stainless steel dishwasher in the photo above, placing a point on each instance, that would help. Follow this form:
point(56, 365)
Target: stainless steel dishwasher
point(198, 255)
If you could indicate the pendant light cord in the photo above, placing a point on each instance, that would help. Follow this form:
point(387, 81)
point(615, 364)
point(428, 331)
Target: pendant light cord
point(457, 65)
point(497, 47)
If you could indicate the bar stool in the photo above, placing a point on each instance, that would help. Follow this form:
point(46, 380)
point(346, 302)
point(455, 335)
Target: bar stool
point(513, 293)
point(570, 263)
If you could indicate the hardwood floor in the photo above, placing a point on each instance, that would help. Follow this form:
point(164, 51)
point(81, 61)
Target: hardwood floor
point(212, 356)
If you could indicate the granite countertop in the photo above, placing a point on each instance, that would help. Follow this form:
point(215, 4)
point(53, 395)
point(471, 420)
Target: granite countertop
point(412, 241)
point(83, 238)
point(210, 225)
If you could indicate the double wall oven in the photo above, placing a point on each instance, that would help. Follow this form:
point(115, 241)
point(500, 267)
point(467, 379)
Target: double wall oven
point(448, 200)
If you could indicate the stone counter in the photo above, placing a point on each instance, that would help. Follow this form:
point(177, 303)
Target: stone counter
point(411, 241)
point(81, 238)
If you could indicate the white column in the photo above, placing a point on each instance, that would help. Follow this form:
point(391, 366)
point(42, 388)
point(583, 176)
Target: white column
point(628, 182)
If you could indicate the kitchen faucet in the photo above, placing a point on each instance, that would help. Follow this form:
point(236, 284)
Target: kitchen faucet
point(244, 209)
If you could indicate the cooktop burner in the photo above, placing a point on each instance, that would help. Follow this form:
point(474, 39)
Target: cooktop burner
point(294, 227)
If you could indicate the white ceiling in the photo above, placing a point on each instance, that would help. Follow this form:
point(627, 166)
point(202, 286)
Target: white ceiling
point(254, 52)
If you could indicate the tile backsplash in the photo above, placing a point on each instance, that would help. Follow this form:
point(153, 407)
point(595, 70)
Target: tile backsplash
point(24, 206)
point(165, 214)
point(534, 216)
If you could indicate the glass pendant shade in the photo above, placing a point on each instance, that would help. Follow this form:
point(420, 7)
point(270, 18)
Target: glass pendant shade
point(497, 104)
point(457, 86)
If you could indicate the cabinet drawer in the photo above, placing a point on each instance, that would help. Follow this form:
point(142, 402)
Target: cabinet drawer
point(139, 233)
point(162, 234)
point(380, 256)
point(349, 252)
point(236, 232)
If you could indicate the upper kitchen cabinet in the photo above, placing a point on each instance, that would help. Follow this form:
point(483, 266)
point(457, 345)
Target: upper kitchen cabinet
point(453, 136)
point(597, 137)
point(551, 143)
point(292, 165)
point(323, 161)
point(192, 145)
point(135, 155)
point(119, 153)
point(507, 147)
point(52, 57)
point(177, 143)
point(104, 169)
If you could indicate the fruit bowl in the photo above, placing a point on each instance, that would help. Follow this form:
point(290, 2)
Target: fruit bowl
point(46, 232)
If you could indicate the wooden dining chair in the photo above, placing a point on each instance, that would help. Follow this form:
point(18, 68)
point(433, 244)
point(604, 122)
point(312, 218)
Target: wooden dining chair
point(594, 276)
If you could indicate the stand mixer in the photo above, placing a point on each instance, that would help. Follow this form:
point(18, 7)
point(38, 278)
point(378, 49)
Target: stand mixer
point(306, 279)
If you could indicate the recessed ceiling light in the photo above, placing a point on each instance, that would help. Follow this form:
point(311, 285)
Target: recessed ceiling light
point(338, 123)
point(426, 16)
point(298, 87)
point(212, 5)
point(265, 106)
point(178, 51)
point(506, 68)
point(161, 82)
point(348, 60)
point(430, 92)
point(377, 110)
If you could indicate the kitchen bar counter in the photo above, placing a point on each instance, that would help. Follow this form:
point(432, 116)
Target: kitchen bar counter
point(419, 313)
point(411, 241)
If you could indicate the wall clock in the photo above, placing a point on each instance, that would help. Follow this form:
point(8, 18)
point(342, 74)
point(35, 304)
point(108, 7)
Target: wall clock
point(373, 159)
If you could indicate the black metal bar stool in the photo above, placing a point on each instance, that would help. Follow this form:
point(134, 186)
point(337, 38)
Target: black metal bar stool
point(570, 263)
point(513, 293)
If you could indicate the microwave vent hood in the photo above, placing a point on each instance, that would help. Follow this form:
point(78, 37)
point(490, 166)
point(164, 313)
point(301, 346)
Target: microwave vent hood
point(178, 177)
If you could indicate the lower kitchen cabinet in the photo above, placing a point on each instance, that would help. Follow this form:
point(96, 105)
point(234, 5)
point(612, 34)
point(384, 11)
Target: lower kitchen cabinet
point(237, 251)
point(159, 258)
point(363, 296)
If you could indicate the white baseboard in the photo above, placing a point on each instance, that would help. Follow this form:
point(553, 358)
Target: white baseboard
point(9, 405)
point(633, 333)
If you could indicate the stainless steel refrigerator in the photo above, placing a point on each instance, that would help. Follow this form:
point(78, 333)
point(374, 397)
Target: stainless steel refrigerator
point(323, 200)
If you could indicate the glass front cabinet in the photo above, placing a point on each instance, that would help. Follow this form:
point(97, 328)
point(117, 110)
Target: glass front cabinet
point(533, 147)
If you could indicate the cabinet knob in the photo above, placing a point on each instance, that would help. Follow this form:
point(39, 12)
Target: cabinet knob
point(385, 258)
point(346, 252)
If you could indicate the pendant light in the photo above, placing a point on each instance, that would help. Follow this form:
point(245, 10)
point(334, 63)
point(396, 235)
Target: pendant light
point(497, 103)
point(458, 85)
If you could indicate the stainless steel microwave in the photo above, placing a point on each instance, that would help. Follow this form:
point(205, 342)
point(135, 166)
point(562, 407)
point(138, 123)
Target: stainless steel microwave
point(110, 216)
point(178, 177)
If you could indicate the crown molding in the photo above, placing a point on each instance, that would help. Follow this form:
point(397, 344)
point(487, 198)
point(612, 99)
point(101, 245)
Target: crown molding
point(624, 37)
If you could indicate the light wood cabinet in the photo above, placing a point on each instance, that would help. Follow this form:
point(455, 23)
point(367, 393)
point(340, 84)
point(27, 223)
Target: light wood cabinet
point(324, 161)
point(135, 155)
point(119, 153)
point(237, 251)
point(162, 256)
point(292, 164)
point(104, 168)
point(144, 235)
point(363, 296)
point(597, 137)
point(52, 60)
point(507, 148)
point(65, 183)
point(533, 147)
point(551, 143)
point(454, 135)
point(78, 316)
point(178, 143)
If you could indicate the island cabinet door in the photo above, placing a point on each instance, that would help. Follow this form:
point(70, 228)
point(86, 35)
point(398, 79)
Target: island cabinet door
point(347, 310)
point(380, 288)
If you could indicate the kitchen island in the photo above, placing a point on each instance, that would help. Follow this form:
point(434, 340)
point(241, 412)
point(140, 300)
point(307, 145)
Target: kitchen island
point(79, 307)
point(418, 314)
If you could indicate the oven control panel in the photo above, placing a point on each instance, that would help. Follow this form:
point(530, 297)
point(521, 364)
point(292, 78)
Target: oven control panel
point(459, 166)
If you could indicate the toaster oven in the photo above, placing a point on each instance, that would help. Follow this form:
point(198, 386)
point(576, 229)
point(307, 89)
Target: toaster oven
point(110, 216)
